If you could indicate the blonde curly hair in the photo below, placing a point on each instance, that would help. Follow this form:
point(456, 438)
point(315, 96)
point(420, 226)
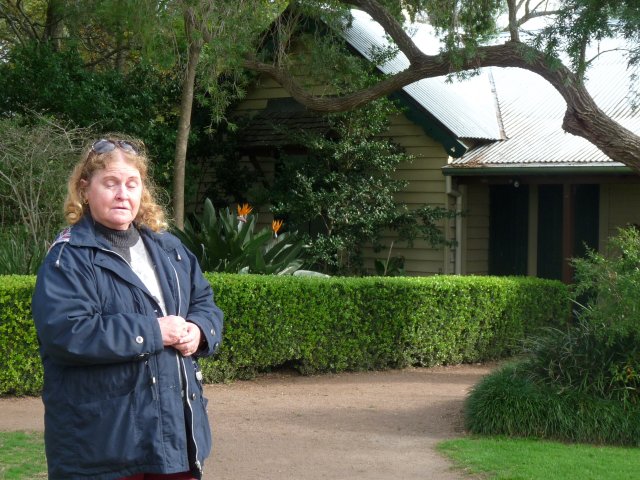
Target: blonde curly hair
point(150, 214)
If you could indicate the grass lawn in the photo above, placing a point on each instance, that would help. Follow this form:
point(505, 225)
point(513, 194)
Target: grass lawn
point(22, 456)
point(499, 458)
point(492, 458)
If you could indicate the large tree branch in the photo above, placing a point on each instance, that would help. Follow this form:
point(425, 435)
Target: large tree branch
point(391, 26)
point(510, 54)
point(583, 117)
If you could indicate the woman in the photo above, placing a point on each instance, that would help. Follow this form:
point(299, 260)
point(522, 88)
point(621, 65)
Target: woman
point(122, 311)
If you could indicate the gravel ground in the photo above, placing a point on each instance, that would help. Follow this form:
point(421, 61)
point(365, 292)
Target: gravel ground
point(280, 426)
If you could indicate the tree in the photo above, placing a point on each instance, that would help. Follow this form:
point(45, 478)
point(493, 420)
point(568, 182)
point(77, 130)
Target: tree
point(208, 39)
point(463, 27)
point(212, 40)
point(342, 192)
point(217, 35)
point(140, 102)
point(343, 188)
point(36, 155)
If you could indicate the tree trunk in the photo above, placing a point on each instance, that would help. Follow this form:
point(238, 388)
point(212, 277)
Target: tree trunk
point(184, 127)
point(54, 28)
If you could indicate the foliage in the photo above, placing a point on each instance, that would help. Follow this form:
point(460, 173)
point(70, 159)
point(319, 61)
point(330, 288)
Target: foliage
point(140, 101)
point(609, 285)
point(344, 188)
point(389, 267)
point(600, 354)
point(36, 156)
point(111, 36)
point(330, 324)
point(463, 26)
point(341, 190)
point(593, 363)
point(507, 402)
point(577, 360)
point(580, 23)
point(20, 367)
point(224, 242)
point(18, 254)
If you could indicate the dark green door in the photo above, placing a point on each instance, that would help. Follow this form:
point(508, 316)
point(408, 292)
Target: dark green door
point(587, 215)
point(550, 231)
point(508, 227)
point(582, 231)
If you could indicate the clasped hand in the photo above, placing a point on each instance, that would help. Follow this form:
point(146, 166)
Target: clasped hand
point(180, 334)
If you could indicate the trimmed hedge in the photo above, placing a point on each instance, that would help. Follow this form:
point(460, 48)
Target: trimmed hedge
point(321, 325)
point(20, 367)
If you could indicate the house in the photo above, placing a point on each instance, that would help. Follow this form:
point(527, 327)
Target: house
point(492, 147)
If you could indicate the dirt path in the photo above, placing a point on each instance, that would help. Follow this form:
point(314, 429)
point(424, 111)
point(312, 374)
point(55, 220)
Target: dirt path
point(368, 426)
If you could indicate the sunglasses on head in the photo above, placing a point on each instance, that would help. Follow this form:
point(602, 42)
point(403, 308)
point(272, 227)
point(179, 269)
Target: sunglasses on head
point(105, 146)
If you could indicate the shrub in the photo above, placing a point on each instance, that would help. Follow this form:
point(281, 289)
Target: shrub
point(327, 325)
point(342, 191)
point(507, 402)
point(20, 367)
point(600, 354)
point(321, 325)
point(36, 156)
point(577, 360)
point(609, 287)
point(18, 253)
point(591, 366)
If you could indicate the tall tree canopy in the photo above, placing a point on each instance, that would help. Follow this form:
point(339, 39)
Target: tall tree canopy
point(206, 40)
point(212, 41)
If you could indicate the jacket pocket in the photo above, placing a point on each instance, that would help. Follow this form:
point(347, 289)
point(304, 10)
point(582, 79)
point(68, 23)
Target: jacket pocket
point(106, 433)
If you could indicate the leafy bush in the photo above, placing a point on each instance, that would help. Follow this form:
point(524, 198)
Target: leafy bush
point(591, 366)
point(18, 254)
point(321, 325)
point(36, 157)
point(577, 360)
point(507, 402)
point(342, 191)
point(600, 354)
point(226, 243)
point(609, 287)
point(140, 101)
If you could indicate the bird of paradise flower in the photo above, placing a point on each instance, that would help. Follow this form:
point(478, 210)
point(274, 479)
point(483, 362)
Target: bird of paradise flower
point(243, 211)
point(276, 225)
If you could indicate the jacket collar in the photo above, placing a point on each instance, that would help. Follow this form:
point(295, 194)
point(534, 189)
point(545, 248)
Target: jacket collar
point(83, 234)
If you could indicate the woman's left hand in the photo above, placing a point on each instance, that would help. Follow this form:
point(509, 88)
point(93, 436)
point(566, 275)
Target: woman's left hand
point(190, 341)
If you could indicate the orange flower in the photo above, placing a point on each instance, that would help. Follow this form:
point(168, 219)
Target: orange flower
point(243, 211)
point(276, 225)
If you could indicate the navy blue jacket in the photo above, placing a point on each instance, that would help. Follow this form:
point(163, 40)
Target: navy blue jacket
point(117, 402)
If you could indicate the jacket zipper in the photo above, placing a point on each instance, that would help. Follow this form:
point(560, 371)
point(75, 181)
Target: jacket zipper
point(116, 253)
point(184, 376)
point(182, 372)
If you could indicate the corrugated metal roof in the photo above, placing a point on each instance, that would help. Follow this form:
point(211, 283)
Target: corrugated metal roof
point(532, 113)
point(466, 108)
point(530, 109)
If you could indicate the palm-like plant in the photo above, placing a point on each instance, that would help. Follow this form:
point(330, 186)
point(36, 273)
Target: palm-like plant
point(224, 242)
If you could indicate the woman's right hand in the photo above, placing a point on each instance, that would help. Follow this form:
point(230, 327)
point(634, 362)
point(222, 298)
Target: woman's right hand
point(173, 328)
